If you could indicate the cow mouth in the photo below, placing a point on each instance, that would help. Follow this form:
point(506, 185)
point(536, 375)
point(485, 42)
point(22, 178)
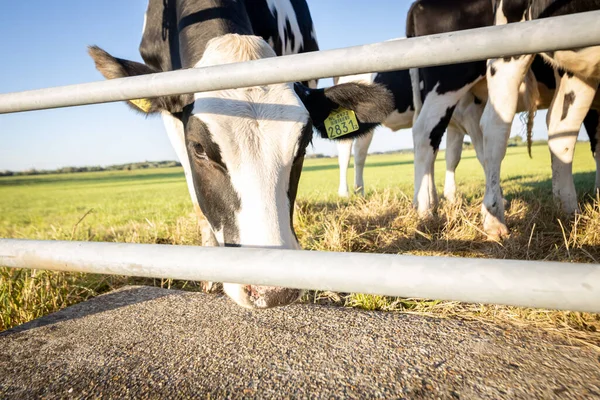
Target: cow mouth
point(255, 296)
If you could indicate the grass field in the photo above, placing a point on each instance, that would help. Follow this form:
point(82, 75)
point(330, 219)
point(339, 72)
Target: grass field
point(152, 206)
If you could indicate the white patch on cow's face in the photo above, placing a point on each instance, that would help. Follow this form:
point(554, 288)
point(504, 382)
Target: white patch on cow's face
point(258, 131)
point(285, 12)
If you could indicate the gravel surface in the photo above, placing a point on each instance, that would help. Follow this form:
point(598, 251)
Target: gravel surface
point(148, 342)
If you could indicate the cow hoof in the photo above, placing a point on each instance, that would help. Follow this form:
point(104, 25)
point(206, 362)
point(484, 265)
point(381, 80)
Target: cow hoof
point(360, 191)
point(450, 197)
point(343, 193)
point(495, 230)
point(570, 208)
point(426, 214)
point(207, 287)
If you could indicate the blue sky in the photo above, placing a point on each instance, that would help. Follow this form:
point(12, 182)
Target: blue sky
point(47, 47)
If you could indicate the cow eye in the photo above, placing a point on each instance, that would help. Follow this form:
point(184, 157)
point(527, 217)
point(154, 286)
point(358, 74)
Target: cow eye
point(198, 150)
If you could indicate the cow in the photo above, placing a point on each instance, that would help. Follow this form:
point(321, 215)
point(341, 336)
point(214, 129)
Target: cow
point(464, 120)
point(577, 78)
point(241, 149)
point(443, 88)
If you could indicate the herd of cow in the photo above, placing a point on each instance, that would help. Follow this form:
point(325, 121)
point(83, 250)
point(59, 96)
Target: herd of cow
point(242, 150)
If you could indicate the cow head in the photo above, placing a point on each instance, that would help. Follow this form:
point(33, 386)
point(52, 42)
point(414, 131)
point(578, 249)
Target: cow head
point(246, 148)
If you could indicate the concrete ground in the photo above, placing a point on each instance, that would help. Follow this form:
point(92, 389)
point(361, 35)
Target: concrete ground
point(147, 342)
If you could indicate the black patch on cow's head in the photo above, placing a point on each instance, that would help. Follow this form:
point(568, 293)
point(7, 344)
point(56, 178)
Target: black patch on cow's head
point(303, 142)
point(492, 70)
point(567, 103)
point(372, 103)
point(215, 193)
point(435, 137)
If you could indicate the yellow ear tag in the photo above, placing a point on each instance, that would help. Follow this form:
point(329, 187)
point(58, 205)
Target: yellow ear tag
point(143, 104)
point(340, 122)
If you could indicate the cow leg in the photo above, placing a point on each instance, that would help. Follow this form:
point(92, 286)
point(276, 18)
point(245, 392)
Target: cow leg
point(504, 76)
point(569, 107)
point(470, 122)
point(596, 153)
point(174, 129)
point(465, 120)
point(344, 152)
point(592, 127)
point(428, 130)
point(361, 148)
point(454, 143)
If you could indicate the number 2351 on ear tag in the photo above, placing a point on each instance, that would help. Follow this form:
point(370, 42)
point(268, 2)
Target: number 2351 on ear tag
point(340, 122)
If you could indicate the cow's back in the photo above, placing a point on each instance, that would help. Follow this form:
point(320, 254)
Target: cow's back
point(429, 17)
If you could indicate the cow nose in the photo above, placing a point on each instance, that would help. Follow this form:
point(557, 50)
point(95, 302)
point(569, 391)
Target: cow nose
point(255, 296)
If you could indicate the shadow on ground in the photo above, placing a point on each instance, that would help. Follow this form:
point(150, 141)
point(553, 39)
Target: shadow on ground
point(124, 297)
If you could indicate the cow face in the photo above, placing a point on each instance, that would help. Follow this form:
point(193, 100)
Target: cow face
point(246, 147)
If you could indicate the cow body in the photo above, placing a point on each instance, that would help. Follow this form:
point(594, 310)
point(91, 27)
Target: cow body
point(241, 149)
point(445, 86)
point(577, 77)
point(398, 83)
point(465, 120)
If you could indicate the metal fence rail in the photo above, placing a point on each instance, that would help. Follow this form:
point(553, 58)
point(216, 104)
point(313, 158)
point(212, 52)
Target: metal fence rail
point(552, 285)
point(577, 30)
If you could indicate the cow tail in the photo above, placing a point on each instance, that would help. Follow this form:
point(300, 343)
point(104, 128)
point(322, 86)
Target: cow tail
point(531, 97)
point(415, 82)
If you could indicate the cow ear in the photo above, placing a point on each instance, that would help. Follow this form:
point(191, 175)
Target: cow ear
point(112, 68)
point(371, 104)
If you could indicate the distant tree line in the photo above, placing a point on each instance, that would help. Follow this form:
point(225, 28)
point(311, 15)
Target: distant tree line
point(118, 167)
point(513, 141)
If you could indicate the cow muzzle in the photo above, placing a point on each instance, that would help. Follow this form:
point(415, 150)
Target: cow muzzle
point(254, 296)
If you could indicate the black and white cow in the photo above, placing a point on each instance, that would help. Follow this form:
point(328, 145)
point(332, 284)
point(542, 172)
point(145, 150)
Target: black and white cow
point(445, 86)
point(575, 94)
point(242, 149)
point(398, 83)
point(465, 120)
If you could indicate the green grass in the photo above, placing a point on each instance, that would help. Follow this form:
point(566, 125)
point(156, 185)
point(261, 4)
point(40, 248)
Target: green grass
point(48, 206)
point(395, 171)
point(153, 206)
